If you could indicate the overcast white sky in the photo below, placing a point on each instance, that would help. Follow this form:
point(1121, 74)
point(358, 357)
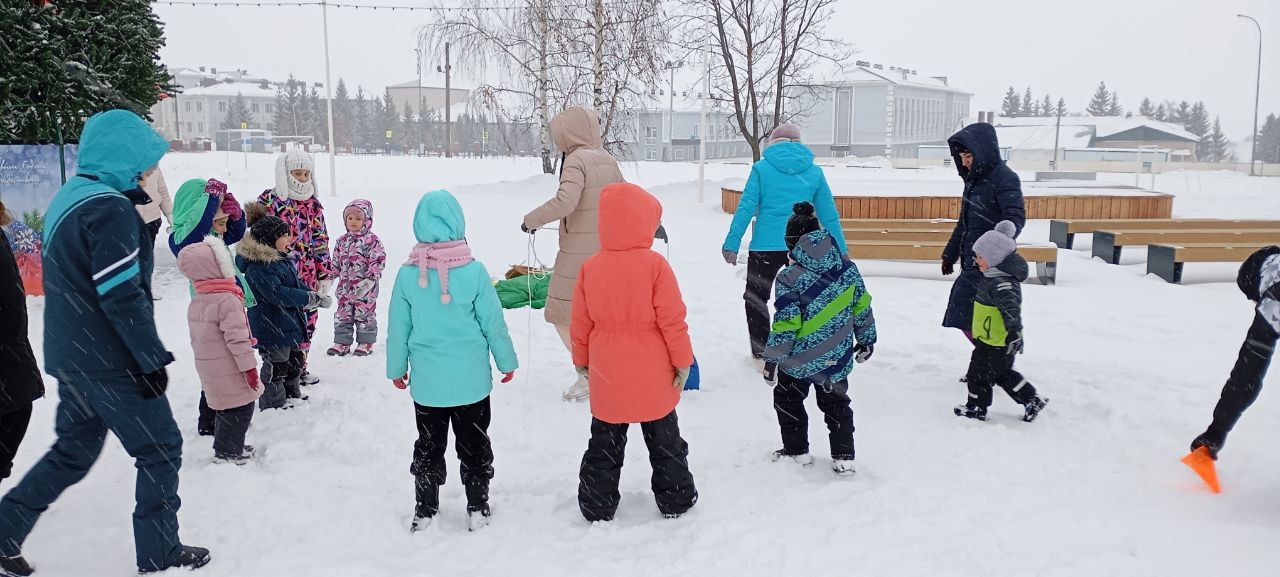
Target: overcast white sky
point(1175, 49)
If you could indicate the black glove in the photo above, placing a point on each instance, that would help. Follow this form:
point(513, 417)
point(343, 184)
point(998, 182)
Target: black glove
point(862, 353)
point(948, 267)
point(1014, 346)
point(1210, 440)
point(153, 384)
point(525, 229)
point(771, 374)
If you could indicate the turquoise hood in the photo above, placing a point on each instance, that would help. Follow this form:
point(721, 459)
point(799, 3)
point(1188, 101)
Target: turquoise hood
point(116, 147)
point(789, 157)
point(439, 218)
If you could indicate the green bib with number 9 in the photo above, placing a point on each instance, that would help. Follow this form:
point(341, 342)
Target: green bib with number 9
point(988, 325)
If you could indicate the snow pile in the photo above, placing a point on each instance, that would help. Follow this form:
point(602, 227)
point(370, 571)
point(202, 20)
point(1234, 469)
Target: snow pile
point(1133, 367)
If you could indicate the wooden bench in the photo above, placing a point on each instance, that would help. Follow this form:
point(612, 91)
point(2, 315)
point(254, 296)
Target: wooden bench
point(904, 234)
point(898, 223)
point(1165, 260)
point(1045, 257)
point(1063, 232)
point(1107, 244)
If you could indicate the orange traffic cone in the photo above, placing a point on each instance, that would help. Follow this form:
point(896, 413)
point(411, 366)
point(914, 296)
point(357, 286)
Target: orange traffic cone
point(1200, 462)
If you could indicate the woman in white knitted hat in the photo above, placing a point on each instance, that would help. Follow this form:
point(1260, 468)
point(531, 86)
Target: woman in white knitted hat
point(294, 200)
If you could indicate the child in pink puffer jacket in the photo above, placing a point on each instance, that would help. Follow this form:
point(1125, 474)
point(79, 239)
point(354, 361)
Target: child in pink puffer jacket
point(222, 344)
point(359, 259)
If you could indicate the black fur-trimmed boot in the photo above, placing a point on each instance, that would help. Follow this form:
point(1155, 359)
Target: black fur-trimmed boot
point(478, 512)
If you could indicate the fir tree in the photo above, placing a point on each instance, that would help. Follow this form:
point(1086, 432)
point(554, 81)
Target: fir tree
point(60, 66)
point(1146, 109)
point(238, 115)
point(1046, 106)
point(1269, 140)
point(1028, 103)
point(360, 120)
point(317, 125)
point(376, 133)
point(1215, 147)
point(342, 117)
point(391, 120)
point(290, 116)
point(1161, 114)
point(1012, 106)
point(1113, 106)
point(1062, 107)
point(1101, 102)
point(412, 130)
point(1181, 114)
point(1198, 123)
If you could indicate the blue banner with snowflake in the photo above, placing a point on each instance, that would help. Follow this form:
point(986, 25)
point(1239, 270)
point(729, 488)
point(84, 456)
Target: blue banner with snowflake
point(30, 176)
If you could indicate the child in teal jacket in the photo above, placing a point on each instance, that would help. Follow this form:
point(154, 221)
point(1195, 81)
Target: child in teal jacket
point(445, 323)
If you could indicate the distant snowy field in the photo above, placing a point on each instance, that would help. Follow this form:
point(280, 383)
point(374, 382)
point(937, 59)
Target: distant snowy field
point(1133, 367)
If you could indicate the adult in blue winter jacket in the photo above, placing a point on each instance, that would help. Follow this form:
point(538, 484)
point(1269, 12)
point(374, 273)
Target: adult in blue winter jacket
point(100, 343)
point(992, 193)
point(785, 176)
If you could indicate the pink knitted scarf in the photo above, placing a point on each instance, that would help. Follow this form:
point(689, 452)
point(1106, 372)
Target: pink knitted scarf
point(440, 256)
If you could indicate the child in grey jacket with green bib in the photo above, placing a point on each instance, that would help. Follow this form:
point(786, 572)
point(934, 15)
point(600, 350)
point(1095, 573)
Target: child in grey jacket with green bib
point(997, 327)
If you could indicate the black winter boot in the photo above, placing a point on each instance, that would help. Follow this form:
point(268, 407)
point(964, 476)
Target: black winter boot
point(190, 557)
point(972, 412)
point(15, 567)
point(1033, 407)
point(478, 505)
point(428, 504)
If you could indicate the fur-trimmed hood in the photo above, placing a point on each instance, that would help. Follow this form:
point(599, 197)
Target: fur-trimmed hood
point(206, 260)
point(252, 250)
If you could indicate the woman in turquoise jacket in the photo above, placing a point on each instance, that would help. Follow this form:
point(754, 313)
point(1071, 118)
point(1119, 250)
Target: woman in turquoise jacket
point(446, 321)
point(785, 176)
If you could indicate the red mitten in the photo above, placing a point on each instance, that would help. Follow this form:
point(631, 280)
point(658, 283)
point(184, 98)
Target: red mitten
point(231, 207)
point(402, 382)
point(506, 377)
point(252, 376)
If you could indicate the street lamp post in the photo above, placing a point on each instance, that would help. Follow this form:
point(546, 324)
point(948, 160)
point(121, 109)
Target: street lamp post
point(671, 106)
point(422, 139)
point(1257, 92)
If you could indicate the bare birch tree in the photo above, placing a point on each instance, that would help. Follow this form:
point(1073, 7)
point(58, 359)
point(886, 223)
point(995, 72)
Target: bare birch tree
point(763, 52)
point(551, 55)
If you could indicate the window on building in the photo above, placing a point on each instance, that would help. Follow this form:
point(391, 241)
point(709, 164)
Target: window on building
point(650, 135)
point(650, 153)
point(680, 154)
point(199, 106)
point(222, 106)
point(199, 127)
point(268, 108)
point(697, 131)
point(188, 106)
point(254, 107)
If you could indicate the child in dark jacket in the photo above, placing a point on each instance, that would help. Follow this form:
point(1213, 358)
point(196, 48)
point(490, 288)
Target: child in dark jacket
point(1259, 280)
point(823, 324)
point(279, 321)
point(997, 327)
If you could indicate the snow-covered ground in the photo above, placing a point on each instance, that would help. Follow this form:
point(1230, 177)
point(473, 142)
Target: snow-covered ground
point(1133, 367)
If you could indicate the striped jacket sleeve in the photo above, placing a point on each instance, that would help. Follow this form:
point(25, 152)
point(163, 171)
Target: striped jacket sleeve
point(787, 321)
point(114, 250)
point(864, 319)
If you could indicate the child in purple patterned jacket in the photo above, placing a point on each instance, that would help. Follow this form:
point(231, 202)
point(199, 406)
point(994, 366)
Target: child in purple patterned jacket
point(359, 259)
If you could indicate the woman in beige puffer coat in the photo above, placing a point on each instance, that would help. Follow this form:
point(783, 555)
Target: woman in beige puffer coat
point(584, 171)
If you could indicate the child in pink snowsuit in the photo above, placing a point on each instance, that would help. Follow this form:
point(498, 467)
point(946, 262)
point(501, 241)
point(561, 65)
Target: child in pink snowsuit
point(359, 259)
point(294, 201)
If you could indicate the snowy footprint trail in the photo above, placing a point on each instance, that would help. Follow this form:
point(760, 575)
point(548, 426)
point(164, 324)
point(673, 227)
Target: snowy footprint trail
point(1093, 487)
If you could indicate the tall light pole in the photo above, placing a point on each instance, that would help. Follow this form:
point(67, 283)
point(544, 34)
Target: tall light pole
point(422, 139)
point(447, 69)
point(1257, 91)
point(328, 88)
point(671, 106)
